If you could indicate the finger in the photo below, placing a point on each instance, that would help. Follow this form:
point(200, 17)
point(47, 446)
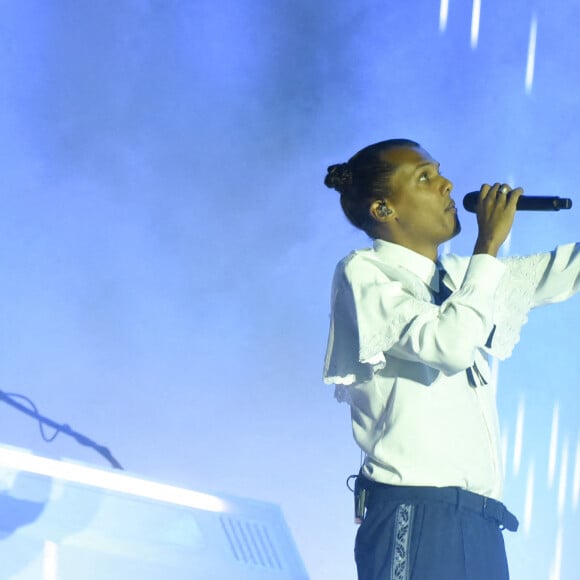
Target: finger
point(503, 192)
point(491, 196)
point(514, 196)
point(488, 192)
point(484, 190)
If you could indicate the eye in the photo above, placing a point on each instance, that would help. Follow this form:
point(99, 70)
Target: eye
point(429, 174)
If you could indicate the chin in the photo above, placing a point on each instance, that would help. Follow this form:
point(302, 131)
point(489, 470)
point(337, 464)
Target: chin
point(457, 228)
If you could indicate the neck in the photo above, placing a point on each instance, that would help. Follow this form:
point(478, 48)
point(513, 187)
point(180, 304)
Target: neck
point(427, 250)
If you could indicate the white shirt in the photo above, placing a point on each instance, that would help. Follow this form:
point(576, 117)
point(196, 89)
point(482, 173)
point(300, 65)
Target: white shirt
point(416, 374)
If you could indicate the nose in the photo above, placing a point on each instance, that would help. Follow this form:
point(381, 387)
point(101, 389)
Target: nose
point(447, 186)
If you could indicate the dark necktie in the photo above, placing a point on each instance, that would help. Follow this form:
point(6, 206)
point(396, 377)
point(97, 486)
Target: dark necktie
point(444, 292)
point(474, 377)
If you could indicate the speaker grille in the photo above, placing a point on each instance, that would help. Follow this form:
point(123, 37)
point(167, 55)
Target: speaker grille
point(251, 543)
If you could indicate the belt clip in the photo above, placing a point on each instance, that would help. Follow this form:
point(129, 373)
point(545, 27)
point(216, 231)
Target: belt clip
point(360, 500)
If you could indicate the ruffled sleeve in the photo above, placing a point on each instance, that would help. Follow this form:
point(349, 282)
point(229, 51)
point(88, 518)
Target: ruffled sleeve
point(530, 281)
point(380, 308)
point(370, 311)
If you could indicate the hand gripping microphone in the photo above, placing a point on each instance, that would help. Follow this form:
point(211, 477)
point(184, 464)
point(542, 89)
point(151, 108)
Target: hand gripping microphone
point(525, 203)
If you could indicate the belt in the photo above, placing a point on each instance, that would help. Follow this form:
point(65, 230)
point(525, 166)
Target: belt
point(486, 507)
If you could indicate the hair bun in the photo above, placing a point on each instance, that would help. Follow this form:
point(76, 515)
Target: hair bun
point(339, 177)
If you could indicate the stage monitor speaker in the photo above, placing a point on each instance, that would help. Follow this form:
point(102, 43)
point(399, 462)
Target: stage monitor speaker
point(61, 520)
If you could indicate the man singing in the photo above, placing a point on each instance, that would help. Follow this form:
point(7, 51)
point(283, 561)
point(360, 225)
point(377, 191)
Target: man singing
point(408, 346)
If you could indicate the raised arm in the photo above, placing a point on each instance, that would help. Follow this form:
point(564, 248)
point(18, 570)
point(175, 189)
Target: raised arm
point(496, 208)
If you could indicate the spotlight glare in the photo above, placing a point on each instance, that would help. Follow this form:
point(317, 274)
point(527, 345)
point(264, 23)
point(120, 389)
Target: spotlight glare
point(529, 504)
point(556, 571)
point(531, 55)
point(475, 16)
point(563, 478)
point(50, 562)
point(553, 444)
point(443, 13)
point(110, 480)
point(519, 436)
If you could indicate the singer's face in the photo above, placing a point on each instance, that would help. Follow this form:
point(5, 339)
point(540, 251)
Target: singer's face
point(424, 215)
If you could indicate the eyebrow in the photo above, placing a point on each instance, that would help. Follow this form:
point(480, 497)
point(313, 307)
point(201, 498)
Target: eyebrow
point(427, 164)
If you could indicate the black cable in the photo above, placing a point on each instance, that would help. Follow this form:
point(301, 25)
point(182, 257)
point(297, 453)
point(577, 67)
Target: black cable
point(59, 428)
point(37, 412)
point(353, 476)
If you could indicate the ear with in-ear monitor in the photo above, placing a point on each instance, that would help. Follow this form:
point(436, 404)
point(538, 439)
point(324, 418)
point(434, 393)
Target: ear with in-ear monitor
point(383, 210)
point(380, 211)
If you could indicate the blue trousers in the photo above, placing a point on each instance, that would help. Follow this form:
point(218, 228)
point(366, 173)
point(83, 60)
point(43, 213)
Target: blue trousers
point(428, 533)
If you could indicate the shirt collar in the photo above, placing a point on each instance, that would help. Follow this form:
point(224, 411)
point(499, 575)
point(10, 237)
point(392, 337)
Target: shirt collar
point(397, 255)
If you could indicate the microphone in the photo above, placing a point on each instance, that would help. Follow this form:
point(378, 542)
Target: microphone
point(525, 203)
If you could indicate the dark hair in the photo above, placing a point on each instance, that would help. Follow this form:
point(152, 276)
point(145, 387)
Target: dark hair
point(363, 179)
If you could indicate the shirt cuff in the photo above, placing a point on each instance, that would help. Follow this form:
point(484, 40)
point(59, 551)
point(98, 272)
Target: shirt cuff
point(485, 271)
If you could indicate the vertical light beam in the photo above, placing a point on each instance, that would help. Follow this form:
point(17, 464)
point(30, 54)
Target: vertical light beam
point(576, 484)
point(443, 13)
point(504, 446)
point(553, 444)
point(475, 15)
point(519, 436)
point(563, 479)
point(50, 562)
point(531, 55)
point(446, 248)
point(507, 245)
point(529, 504)
point(556, 570)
